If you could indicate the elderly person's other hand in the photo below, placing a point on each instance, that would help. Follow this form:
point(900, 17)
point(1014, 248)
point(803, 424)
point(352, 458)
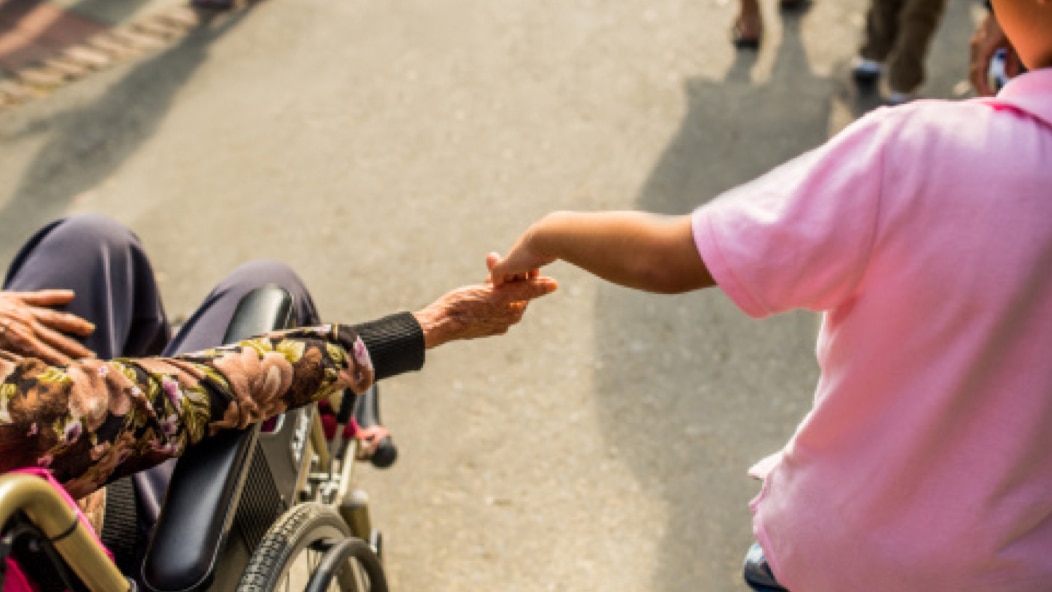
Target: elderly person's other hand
point(29, 327)
point(480, 310)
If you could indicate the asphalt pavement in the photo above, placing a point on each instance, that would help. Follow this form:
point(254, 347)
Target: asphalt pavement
point(383, 148)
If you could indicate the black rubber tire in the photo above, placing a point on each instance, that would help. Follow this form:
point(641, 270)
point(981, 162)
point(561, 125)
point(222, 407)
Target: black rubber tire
point(307, 527)
point(349, 554)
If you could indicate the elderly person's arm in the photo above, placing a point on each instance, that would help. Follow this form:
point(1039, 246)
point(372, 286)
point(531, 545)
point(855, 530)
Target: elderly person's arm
point(93, 421)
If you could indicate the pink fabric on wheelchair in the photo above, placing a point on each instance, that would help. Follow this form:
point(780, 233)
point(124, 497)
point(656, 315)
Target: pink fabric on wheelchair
point(16, 580)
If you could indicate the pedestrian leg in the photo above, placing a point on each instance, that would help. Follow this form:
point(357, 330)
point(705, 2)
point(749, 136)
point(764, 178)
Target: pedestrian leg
point(882, 23)
point(917, 25)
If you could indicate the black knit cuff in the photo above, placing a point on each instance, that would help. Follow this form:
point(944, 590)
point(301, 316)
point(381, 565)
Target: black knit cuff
point(395, 344)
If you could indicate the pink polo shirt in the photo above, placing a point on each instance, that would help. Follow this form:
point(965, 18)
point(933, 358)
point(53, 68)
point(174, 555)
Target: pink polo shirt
point(924, 235)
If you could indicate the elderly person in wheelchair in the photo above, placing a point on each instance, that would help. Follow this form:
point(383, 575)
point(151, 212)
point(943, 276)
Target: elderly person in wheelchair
point(94, 388)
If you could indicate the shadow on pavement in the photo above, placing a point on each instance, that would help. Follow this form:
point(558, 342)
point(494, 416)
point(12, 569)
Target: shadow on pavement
point(114, 10)
point(87, 144)
point(749, 383)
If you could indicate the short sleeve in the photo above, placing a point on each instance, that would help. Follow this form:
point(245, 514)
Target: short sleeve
point(799, 236)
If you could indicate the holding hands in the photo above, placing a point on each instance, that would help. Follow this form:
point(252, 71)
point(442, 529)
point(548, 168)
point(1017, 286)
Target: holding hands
point(634, 249)
point(29, 326)
point(522, 263)
point(480, 310)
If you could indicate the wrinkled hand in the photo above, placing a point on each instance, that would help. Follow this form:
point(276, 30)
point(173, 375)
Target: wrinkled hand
point(479, 311)
point(29, 327)
point(988, 38)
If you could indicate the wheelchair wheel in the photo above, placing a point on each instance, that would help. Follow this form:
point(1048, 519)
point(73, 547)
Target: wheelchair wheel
point(349, 554)
point(296, 550)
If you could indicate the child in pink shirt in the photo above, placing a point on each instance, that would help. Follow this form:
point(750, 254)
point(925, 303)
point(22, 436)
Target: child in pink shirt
point(924, 235)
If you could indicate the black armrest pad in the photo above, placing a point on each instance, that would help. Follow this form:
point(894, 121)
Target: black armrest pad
point(202, 497)
point(261, 310)
point(198, 507)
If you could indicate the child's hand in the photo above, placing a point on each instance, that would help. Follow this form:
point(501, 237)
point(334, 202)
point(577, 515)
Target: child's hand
point(520, 264)
point(517, 266)
point(503, 270)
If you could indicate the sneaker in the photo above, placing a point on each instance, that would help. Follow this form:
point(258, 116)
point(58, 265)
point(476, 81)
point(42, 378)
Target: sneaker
point(898, 98)
point(866, 71)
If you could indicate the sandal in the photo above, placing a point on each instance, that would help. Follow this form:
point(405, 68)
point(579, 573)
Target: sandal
point(212, 4)
point(739, 39)
point(790, 5)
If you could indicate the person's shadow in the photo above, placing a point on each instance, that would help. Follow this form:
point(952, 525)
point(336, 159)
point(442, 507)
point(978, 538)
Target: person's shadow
point(715, 391)
point(87, 143)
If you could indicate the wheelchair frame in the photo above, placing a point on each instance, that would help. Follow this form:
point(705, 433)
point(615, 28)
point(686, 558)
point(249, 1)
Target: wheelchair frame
point(225, 496)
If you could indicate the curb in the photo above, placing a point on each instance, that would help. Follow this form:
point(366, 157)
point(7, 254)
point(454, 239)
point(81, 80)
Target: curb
point(104, 50)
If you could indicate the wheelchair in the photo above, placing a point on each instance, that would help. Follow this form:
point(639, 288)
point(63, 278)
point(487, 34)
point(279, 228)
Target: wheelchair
point(267, 508)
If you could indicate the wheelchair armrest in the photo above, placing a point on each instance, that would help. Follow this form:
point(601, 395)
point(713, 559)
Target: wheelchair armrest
point(198, 509)
point(202, 498)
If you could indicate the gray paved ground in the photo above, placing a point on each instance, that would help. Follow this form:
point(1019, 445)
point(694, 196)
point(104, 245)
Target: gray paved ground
point(384, 147)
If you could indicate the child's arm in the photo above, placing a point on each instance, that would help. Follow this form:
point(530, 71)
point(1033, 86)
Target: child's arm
point(634, 249)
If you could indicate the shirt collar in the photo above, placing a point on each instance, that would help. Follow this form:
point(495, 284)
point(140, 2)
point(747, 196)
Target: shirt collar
point(1030, 92)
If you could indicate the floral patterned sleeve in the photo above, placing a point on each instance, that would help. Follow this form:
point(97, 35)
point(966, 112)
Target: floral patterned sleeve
point(93, 421)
